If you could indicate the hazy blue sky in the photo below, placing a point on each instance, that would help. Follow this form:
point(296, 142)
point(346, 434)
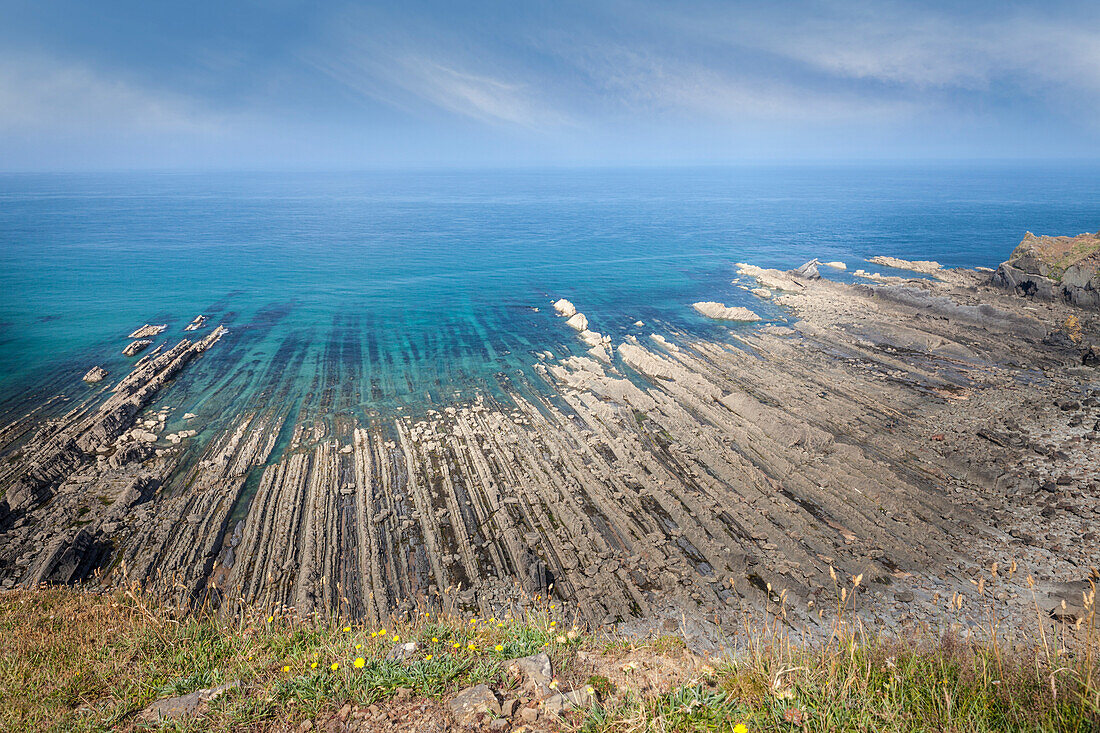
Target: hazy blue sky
point(282, 83)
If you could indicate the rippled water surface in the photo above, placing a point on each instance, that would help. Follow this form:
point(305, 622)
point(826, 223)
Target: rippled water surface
point(413, 287)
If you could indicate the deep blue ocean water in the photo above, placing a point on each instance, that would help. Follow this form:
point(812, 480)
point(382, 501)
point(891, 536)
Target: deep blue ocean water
point(421, 285)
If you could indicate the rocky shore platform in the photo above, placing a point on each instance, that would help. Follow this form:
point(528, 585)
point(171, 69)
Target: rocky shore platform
point(912, 431)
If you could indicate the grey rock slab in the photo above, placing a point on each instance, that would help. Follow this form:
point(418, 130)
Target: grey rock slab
point(187, 705)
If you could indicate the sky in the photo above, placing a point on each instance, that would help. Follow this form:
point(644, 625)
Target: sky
point(283, 84)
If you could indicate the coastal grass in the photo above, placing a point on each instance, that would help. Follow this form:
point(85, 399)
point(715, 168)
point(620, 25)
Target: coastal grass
point(74, 660)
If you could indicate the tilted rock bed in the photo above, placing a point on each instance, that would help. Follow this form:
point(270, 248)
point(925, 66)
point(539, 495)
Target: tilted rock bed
point(910, 433)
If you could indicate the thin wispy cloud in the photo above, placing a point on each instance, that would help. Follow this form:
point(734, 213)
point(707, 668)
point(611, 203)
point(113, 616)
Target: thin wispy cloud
point(38, 95)
point(621, 80)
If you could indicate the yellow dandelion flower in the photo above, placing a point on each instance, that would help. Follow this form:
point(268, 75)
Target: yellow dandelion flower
point(473, 620)
point(472, 648)
point(457, 645)
point(428, 658)
point(382, 632)
point(740, 728)
point(359, 662)
point(270, 619)
point(552, 605)
point(501, 624)
point(335, 666)
point(499, 647)
point(396, 637)
point(347, 628)
point(313, 666)
point(358, 647)
point(435, 640)
point(553, 623)
point(374, 634)
point(553, 684)
point(286, 668)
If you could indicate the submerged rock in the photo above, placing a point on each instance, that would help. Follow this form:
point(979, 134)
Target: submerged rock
point(95, 374)
point(1054, 268)
point(721, 312)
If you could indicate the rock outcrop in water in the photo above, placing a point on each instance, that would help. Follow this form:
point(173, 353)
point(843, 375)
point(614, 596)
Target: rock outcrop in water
point(148, 331)
point(1055, 268)
point(95, 374)
point(198, 323)
point(135, 347)
point(912, 432)
point(719, 311)
point(927, 267)
point(565, 308)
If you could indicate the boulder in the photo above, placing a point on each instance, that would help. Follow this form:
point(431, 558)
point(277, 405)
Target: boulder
point(468, 706)
point(533, 675)
point(835, 265)
point(1054, 268)
point(566, 701)
point(720, 312)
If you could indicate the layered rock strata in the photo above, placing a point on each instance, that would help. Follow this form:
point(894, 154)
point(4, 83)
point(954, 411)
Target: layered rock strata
point(909, 433)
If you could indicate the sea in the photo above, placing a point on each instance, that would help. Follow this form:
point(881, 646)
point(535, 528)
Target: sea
point(380, 291)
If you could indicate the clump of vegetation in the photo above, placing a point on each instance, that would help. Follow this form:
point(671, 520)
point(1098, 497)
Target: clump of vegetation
point(76, 660)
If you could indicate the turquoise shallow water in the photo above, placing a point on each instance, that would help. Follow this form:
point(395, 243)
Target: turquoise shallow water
point(399, 288)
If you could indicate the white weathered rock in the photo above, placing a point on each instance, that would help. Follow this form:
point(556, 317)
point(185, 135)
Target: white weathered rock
point(719, 311)
point(578, 322)
point(565, 308)
point(835, 265)
point(761, 292)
